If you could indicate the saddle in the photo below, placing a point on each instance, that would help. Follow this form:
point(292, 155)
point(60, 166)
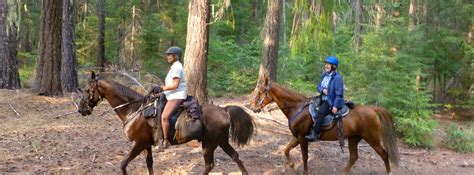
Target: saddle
point(331, 120)
point(184, 126)
point(328, 121)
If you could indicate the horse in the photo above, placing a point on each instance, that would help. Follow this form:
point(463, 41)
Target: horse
point(216, 121)
point(373, 124)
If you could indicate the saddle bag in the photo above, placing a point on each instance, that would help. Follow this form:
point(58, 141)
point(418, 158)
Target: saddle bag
point(189, 126)
point(150, 111)
point(154, 106)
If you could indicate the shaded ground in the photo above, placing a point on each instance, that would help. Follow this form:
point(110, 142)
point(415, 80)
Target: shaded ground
point(39, 140)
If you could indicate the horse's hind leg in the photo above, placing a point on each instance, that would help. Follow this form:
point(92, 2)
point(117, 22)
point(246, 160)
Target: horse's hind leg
point(136, 149)
point(234, 155)
point(149, 160)
point(292, 144)
point(375, 142)
point(353, 152)
point(208, 153)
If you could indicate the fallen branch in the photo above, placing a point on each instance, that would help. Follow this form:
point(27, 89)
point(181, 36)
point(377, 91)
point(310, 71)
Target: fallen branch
point(275, 121)
point(74, 102)
point(61, 115)
point(14, 110)
point(413, 153)
point(273, 131)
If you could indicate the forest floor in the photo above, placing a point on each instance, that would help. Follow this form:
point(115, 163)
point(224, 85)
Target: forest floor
point(39, 139)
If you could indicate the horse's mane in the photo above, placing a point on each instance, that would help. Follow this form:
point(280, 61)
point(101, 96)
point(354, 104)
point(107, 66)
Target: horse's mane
point(290, 92)
point(124, 90)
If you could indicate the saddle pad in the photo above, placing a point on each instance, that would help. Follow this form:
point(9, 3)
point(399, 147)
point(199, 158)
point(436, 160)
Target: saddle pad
point(328, 119)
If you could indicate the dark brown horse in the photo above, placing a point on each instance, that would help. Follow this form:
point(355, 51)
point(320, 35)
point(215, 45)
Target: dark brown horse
point(216, 123)
point(373, 124)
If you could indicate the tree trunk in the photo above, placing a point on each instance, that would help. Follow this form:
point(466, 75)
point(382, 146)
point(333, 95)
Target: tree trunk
point(425, 11)
point(255, 3)
point(395, 12)
point(24, 29)
point(412, 15)
point(9, 77)
point(469, 34)
point(411, 28)
point(47, 79)
point(334, 22)
point(69, 82)
point(120, 36)
point(271, 32)
point(358, 26)
point(379, 17)
point(100, 36)
point(197, 41)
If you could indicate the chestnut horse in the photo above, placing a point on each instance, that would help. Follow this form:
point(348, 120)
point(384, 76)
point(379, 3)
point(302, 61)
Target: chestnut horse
point(373, 124)
point(216, 123)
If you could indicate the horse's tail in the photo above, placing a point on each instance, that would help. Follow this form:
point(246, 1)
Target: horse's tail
point(242, 125)
point(388, 135)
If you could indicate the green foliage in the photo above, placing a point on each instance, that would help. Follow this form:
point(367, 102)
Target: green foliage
point(27, 61)
point(381, 76)
point(459, 139)
point(231, 68)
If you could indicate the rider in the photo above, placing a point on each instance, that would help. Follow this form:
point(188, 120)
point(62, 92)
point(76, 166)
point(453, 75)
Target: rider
point(174, 89)
point(331, 89)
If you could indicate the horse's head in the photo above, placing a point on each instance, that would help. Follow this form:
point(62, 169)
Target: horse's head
point(90, 96)
point(262, 98)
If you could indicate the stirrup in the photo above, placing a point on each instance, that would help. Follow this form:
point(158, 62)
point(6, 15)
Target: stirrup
point(162, 145)
point(312, 137)
point(166, 144)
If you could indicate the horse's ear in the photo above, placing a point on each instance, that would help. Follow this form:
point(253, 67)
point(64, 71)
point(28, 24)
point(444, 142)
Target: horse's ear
point(93, 75)
point(265, 78)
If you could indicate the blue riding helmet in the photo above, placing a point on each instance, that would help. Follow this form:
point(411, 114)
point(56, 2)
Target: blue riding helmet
point(332, 60)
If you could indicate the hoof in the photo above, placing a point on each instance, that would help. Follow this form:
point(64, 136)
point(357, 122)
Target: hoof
point(291, 165)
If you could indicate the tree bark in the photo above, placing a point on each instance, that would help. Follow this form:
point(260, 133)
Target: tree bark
point(69, 82)
point(24, 28)
point(469, 34)
point(101, 36)
point(425, 11)
point(9, 77)
point(395, 12)
point(411, 28)
point(412, 15)
point(47, 75)
point(255, 3)
point(197, 41)
point(358, 26)
point(271, 30)
point(379, 17)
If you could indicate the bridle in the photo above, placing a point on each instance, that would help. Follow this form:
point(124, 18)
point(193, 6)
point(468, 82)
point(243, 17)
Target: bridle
point(94, 95)
point(267, 89)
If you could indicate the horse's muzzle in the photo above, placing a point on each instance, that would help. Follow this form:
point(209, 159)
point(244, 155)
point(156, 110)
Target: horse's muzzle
point(84, 112)
point(256, 110)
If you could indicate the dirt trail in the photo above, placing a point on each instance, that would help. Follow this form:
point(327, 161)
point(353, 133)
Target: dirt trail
point(37, 140)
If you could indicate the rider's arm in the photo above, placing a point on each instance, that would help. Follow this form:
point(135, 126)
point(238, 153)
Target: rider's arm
point(339, 90)
point(173, 85)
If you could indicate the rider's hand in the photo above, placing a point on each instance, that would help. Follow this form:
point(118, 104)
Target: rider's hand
point(155, 90)
point(334, 110)
point(325, 91)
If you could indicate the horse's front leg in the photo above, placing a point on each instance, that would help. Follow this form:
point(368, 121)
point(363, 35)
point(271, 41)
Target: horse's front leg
point(292, 144)
point(136, 150)
point(149, 160)
point(304, 151)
